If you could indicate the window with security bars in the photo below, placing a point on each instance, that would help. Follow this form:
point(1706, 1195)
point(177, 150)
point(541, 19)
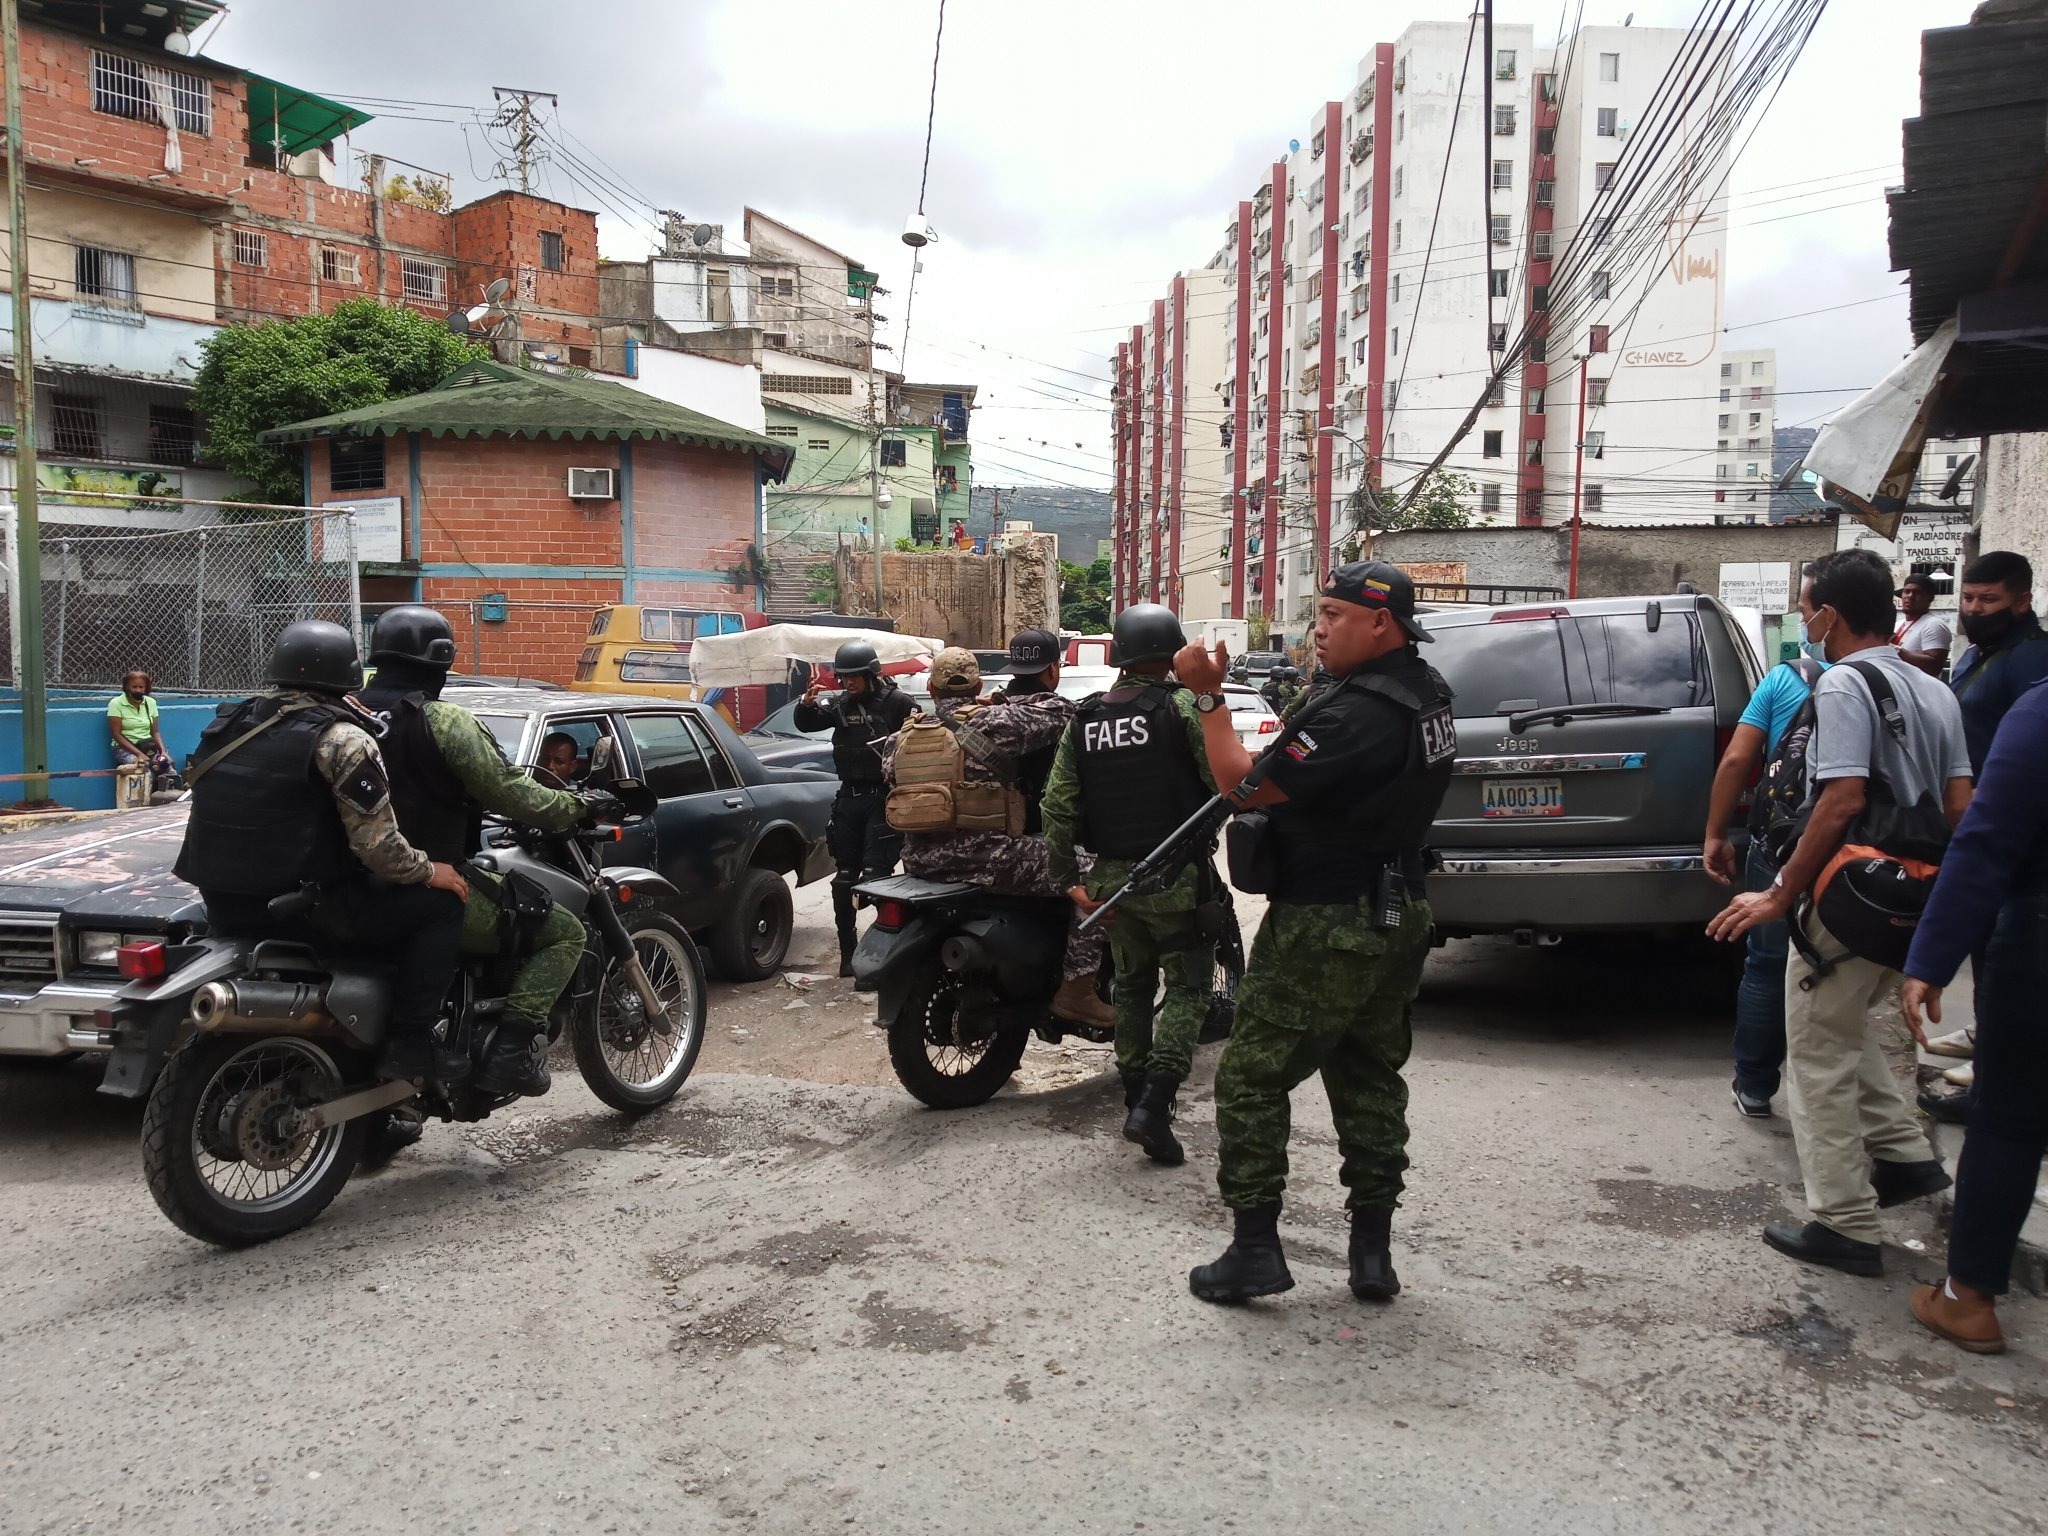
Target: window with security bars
point(1489, 499)
point(75, 425)
point(105, 277)
point(355, 464)
point(426, 282)
point(895, 453)
point(252, 248)
point(1501, 231)
point(1603, 173)
point(1594, 498)
point(1596, 391)
point(1504, 122)
point(553, 255)
point(173, 438)
point(125, 87)
point(775, 431)
point(805, 384)
point(1503, 175)
point(339, 266)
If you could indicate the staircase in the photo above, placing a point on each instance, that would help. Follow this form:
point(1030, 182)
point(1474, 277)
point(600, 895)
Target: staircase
point(789, 591)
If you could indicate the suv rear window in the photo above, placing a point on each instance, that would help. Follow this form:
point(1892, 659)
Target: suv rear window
point(1591, 659)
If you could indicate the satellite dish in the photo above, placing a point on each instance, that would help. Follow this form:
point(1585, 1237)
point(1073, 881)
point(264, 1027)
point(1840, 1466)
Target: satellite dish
point(459, 323)
point(702, 235)
point(1792, 473)
point(497, 291)
point(1952, 487)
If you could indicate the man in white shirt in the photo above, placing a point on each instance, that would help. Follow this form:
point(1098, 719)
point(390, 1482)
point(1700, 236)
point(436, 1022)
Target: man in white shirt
point(1922, 636)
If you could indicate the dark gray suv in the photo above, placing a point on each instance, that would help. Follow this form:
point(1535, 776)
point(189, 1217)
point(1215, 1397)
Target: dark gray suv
point(1588, 733)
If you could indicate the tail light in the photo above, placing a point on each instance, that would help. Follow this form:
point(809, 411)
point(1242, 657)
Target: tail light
point(1269, 726)
point(891, 915)
point(142, 962)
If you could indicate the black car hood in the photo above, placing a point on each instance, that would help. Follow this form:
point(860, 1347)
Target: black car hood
point(116, 868)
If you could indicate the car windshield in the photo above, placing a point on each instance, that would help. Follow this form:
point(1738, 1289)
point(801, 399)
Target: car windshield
point(1246, 703)
point(783, 723)
point(506, 731)
point(1516, 665)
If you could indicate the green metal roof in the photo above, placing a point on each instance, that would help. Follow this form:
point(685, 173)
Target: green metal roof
point(297, 118)
point(485, 399)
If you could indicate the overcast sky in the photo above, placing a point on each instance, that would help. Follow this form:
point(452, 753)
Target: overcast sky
point(1085, 151)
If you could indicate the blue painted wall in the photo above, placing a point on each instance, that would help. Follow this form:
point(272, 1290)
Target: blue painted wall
point(78, 739)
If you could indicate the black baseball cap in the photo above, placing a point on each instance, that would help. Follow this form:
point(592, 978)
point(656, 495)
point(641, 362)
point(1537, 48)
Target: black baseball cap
point(1032, 651)
point(1376, 584)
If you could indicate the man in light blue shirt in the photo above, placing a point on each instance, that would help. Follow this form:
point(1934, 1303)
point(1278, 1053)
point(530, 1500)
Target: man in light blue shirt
point(1760, 1001)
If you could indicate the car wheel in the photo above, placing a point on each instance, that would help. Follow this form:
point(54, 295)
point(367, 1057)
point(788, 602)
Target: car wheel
point(751, 940)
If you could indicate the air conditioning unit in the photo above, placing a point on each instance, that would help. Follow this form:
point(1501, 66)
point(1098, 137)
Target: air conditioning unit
point(593, 485)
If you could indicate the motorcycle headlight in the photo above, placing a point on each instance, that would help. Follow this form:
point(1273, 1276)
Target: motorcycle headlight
point(98, 949)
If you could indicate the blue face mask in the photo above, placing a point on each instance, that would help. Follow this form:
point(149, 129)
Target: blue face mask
point(1815, 649)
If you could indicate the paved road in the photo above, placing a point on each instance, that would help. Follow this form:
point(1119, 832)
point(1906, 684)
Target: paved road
point(808, 1306)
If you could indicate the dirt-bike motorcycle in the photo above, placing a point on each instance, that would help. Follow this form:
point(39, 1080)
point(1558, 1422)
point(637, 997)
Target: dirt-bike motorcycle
point(258, 1056)
point(966, 977)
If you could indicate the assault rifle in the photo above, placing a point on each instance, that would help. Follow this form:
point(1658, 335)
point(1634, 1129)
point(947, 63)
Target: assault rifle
point(1196, 837)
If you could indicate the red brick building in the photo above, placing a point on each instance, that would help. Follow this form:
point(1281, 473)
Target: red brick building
point(482, 466)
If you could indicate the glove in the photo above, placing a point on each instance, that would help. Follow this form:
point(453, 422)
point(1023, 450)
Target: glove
point(600, 805)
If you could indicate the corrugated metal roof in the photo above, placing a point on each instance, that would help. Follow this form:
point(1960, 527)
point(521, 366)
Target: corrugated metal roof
point(484, 399)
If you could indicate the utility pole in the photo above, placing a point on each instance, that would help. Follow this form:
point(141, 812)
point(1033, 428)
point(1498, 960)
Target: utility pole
point(516, 112)
point(1578, 482)
point(27, 573)
point(875, 414)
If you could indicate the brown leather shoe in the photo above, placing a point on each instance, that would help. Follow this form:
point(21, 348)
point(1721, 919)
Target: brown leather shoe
point(1971, 1325)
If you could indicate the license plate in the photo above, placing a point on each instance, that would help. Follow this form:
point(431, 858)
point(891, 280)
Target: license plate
point(1521, 797)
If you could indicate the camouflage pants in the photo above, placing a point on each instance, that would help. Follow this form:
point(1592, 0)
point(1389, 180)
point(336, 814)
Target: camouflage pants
point(1324, 992)
point(554, 952)
point(1014, 865)
point(1143, 944)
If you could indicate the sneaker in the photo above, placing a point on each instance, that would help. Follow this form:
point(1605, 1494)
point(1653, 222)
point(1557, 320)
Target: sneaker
point(1961, 1043)
point(1961, 1076)
point(1752, 1106)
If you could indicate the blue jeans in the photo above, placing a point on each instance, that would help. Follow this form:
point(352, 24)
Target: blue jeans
point(2008, 1130)
point(1760, 1001)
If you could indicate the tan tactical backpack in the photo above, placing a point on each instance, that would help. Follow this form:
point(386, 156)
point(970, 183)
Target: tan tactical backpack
point(932, 791)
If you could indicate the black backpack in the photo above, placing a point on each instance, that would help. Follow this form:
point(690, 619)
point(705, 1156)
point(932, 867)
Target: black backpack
point(1781, 793)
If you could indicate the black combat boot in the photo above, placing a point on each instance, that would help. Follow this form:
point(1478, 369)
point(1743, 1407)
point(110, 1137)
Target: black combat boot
point(1372, 1258)
point(1150, 1122)
point(843, 920)
point(515, 1063)
point(1252, 1265)
point(1134, 1084)
point(411, 1056)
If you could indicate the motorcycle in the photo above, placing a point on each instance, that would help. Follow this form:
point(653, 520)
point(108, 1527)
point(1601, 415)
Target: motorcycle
point(966, 978)
point(258, 1056)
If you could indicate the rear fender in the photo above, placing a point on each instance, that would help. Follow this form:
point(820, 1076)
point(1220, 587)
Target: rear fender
point(143, 1035)
point(889, 960)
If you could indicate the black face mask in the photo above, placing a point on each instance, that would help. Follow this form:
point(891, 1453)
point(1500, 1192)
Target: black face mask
point(1987, 629)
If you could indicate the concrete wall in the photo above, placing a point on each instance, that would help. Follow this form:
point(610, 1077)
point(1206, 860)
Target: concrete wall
point(725, 391)
point(1613, 562)
point(978, 601)
point(2012, 506)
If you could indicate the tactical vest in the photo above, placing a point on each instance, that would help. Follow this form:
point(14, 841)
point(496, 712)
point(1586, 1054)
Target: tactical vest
point(862, 723)
point(951, 778)
point(1324, 856)
point(1034, 771)
point(434, 811)
point(263, 821)
point(1137, 770)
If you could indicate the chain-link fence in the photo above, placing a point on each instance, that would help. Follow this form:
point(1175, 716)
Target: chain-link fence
point(196, 600)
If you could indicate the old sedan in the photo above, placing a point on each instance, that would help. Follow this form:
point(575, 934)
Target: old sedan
point(728, 831)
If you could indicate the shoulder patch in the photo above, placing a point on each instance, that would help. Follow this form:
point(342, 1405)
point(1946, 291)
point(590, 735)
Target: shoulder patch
point(365, 788)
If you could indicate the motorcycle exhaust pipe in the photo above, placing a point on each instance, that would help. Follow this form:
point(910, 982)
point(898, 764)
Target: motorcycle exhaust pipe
point(258, 1005)
point(962, 952)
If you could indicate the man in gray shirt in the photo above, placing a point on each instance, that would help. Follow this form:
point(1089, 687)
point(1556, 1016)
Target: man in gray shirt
point(1860, 1146)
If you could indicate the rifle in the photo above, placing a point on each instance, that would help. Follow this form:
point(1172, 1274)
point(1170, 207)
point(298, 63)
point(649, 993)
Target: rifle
point(1196, 837)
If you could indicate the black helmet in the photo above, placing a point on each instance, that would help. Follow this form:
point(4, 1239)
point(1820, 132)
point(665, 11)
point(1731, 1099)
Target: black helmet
point(315, 655)
point(1145, 632)
point(413, 633)
point(856, 658)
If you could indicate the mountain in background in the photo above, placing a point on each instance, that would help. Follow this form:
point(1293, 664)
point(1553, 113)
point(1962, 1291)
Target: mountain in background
point(1080, 518)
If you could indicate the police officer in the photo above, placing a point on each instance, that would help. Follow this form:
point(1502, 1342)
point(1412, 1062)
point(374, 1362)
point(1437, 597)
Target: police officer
point(289, 790)
point(1035, 674)
point(868, 708)
point(1348, 808)
point(1128, 772)
point(1000, 742)
point(446, 771)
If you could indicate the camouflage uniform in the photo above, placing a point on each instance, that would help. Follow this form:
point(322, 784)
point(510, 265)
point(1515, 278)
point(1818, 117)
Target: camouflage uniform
point(473, 756)
point(1147, 934)
point(1020, 723)
point(347, 758)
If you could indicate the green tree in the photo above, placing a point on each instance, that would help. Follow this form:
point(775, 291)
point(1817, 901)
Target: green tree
point(1084, 596)
point(1443, 502)
point(255, 378)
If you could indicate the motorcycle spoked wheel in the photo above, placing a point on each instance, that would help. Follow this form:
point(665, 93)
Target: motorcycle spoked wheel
point(216, 1151)
point(942, 1055)
point(633, 1063)
point(1223, 989)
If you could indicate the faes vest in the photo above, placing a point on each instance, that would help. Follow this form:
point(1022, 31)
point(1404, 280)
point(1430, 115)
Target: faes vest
point(1034, 771)
point(263, 821)
point(434, 811)
point(1137, 770)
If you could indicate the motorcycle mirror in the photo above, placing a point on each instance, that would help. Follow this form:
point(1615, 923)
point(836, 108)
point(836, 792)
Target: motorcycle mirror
point(635, 796)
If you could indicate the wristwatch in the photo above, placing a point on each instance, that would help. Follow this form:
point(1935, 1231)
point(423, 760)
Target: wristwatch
point(1209, 703)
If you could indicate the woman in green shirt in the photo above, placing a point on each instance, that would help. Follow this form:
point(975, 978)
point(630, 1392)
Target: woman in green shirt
point(132, 723)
